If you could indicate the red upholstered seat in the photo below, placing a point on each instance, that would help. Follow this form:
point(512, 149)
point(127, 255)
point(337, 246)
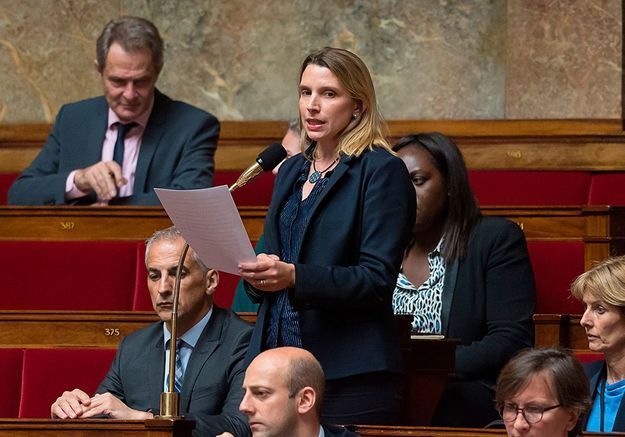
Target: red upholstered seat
point(6, 179)
point(510, 187)
point(607, 189)
point(11, 371)
point(49, 372)
point(258, 192)
point(556, 264)
point(68, 275)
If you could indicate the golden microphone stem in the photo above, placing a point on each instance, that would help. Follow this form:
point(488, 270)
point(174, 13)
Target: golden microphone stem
point(170, 400)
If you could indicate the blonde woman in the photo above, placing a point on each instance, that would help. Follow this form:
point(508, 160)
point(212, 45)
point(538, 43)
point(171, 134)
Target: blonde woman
point(602, 290)
point(338, 223)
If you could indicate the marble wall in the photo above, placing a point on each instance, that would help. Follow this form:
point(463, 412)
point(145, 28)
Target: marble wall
point(440, 59)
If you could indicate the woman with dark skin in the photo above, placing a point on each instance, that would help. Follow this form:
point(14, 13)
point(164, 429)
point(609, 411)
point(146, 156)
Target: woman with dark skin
point(464, 276)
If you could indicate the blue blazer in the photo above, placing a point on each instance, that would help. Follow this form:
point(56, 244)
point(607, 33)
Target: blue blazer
point(176, 152)
point(211, 391)
point(348, 263)
point(595, 372)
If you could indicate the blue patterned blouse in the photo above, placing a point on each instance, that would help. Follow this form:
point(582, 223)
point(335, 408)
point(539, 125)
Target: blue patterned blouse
point(424, 303)
point(283, 327)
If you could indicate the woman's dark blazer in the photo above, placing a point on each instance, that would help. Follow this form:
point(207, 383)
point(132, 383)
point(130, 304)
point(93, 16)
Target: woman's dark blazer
point(488, 300)
point(595, 372)
point(348, 263)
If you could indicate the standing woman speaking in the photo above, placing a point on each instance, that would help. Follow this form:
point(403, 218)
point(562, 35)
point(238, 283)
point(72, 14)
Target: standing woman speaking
point(338, 223)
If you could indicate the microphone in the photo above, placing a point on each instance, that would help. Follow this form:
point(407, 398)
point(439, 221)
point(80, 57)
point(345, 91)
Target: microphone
point(266, 161)
point(170, 400)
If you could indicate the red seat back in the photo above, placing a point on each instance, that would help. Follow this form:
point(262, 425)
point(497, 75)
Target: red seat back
point(516, 187)
point(6, 179)
point(68, 275)
point(256, 193)
point(49, 372)
point(11, 361)
point(607, 189)
point(555, 265)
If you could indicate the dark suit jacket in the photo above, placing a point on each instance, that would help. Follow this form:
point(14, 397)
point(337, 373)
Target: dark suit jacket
point(595, 372)
point(346, 269)
point(213, 380)
point(176, 152)
point(488, 300)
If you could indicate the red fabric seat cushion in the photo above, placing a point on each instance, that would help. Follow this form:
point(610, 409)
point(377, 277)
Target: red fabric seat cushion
point(11, 371)
point(556, 264)
point(6, 179)
point(68, 275)
point(510, 187)
point(607, 189)
point(255, 193)
point(50, 372)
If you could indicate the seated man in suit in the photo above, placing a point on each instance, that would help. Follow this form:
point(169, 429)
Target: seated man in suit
point(116, 148)
point(284, 390)
point(212, 352)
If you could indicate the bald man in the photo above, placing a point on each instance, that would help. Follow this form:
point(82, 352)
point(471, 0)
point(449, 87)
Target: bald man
point(283, 391)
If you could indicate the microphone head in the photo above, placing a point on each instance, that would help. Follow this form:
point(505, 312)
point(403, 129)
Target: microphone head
point(271, 156)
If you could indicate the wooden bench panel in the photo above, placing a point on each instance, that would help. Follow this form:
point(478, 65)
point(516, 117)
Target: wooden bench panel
point(88, 223)
point(74, 329)
point(93, 428)
point(592, 144)
point(64, 329)
point(428, 431)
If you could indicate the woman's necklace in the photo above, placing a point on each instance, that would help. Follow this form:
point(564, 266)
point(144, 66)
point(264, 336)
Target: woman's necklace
point(316, 174)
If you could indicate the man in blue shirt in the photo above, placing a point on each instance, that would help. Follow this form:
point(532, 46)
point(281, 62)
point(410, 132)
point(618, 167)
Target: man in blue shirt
point(212, 350)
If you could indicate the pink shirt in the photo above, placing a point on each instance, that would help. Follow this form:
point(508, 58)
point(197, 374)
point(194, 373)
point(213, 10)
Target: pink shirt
point(132, 144)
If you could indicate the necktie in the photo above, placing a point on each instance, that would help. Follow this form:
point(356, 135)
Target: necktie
point(179, 369)
point(122, 130)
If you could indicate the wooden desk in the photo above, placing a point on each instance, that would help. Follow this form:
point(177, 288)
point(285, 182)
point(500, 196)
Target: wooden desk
point(95, 428)
point(84, 329)
point(90, 223)
point(54, 329)
point(601, 228)
point(599, 231)
point(584, 144)
point(429, 362)
point(423, 431)
point(560, 330)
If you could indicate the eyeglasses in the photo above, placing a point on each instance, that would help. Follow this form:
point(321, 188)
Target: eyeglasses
point(532, 413)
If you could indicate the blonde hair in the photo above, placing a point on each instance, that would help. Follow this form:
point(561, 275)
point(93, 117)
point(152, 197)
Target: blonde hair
point(368, 129)
point(605, 281)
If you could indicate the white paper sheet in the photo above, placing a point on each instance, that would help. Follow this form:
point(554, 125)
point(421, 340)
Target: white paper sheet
point(210, 222)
